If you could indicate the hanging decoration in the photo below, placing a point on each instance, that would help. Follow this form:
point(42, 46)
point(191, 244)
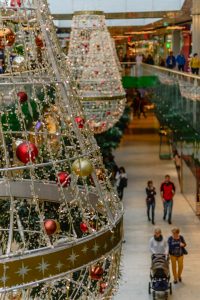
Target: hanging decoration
point(60, 218)
point(94, 67)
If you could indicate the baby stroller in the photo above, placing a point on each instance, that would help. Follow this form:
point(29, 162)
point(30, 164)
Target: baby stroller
point(160, 276)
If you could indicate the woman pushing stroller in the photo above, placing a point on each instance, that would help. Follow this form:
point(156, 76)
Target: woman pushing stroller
point(159, 274)
point(158, 245)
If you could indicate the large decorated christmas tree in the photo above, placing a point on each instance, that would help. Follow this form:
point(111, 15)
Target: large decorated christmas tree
point(60, 220)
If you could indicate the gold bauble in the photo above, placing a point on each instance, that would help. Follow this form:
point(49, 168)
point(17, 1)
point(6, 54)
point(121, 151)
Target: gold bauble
point(82, 167)
point(51, 123)
point(7, 37)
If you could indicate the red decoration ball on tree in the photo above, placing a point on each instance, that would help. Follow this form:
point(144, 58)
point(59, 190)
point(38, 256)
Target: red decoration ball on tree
point(63, 179)
point(50, 226)
point(80, 121)
point(39, 41)
point(26, 152)
point(103, 287)
point(96, 273)
point(84, 227)
point(15, 2)
point(23, 97)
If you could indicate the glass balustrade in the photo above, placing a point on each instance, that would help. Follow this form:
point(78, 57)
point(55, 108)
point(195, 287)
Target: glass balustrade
point(176, 96)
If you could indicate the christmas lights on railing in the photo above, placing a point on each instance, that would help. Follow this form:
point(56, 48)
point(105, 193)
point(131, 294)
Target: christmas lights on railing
point(189, 90)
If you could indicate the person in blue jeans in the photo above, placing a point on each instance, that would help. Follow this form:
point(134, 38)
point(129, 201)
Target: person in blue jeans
point(167, 191)
point(150, 200)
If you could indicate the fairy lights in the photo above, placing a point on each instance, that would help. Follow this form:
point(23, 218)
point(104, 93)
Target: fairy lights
point(94, 67)
point(52, 175)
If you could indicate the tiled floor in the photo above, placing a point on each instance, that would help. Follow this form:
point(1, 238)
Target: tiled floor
point(139, 155)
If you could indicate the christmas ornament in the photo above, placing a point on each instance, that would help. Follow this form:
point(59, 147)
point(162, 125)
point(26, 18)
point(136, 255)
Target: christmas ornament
point(103, 287)
point(38, 126)
point(23, 97)
point(96, 273)
point(84, 227)
point(92, 60)
point(82, 167)
point(43, 143)
point(7, 37)
point(51, 123)
point(100, 174)
point(26, 152)
point(50, 226)
point(15, 3)
point(15, 295)
point(63, 179)
point(80, 121)
point(18, 63)
point(39, 41)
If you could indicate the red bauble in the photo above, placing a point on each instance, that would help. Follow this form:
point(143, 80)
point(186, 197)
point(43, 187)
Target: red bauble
point(103, 287)
point(15, 3)
point(50, 226)
point(80, 121)
point(108, 113)
point(27, 152)
point(96, 273)
point(23, 97)
point(83, 227)
point(39, 42)
point(63, 179)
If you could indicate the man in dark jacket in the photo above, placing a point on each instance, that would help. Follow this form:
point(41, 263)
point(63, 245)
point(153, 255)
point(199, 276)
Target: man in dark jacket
point(171, 61)
point(181, 61)
point(167, 190)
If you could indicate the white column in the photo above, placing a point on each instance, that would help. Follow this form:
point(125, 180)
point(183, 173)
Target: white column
point(196, 26)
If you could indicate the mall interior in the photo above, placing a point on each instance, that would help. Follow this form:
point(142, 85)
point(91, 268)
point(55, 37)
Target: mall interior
point(99, 149)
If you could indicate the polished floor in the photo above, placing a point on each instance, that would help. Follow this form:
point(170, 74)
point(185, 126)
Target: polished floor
point(139, 155)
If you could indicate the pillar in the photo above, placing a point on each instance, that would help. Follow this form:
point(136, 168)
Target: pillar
point(196, 26)
point(176, 42)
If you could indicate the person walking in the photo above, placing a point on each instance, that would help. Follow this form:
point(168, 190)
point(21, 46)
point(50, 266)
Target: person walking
point(149, 60)
point(177, 160)
point(167, 191)
point(171, 61)
point(177, 250)
point(157, 244)
point(180, 59)
point(141, 109)
point(121, 181)
point(150, 200)
point(195, 64)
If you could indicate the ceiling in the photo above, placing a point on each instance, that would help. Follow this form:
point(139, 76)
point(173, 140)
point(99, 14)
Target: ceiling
point(125, 15)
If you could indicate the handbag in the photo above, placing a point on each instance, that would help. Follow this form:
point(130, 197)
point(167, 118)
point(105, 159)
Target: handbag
point(185, 252)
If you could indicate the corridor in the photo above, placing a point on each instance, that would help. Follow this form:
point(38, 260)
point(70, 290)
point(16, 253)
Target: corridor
point(139, 155)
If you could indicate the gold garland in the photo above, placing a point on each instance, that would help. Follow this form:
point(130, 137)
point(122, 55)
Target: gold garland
point(89, 12)
point(120, 97)
point(21, 271)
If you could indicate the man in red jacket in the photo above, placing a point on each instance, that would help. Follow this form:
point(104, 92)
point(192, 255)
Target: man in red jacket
point(167, 191)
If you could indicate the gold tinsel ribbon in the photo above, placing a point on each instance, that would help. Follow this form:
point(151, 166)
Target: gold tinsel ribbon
point(43, 265)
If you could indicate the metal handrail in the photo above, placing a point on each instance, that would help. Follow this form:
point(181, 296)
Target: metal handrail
point(163, 69)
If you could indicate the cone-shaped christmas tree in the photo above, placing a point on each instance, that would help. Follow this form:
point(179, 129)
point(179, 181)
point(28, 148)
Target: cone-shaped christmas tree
point(93, 65)
point(60, 220)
